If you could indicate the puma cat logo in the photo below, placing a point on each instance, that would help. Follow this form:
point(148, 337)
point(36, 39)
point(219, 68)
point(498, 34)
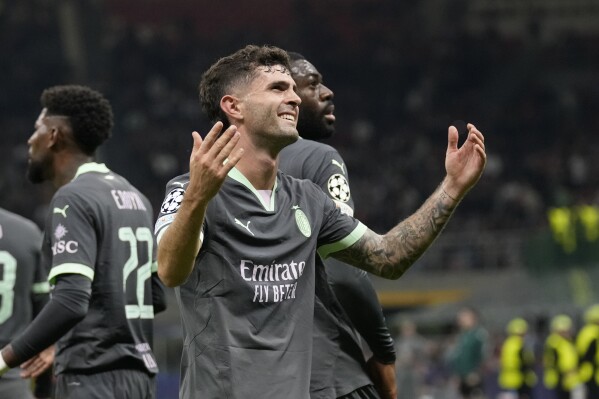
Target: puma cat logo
point(61, 211)
point(245, 226)
point(336, 163)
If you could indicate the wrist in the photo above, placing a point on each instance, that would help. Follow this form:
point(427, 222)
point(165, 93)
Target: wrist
point(452, 197)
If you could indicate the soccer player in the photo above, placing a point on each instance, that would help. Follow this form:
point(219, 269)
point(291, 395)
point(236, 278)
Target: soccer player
point(99, 246)
point(334, 340)
point(238, 238)
point(23, 293)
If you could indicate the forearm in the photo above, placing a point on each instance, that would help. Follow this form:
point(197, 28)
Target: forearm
point(180, 244)
point(390, 255)
point(69, 304)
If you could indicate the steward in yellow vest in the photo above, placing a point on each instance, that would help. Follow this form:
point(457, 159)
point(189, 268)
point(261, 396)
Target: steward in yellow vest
point(586, 346)
point(560, 360)
point(516, 364)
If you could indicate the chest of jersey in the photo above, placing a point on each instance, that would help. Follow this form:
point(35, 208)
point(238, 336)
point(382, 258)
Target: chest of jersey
point(263, 252)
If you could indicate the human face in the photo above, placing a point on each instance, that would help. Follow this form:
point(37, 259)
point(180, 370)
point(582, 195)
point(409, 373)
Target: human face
point(39, 160)
point(316, 120)
point(270, 106)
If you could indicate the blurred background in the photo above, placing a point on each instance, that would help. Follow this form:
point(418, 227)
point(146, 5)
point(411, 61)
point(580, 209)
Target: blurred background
point(523, 243)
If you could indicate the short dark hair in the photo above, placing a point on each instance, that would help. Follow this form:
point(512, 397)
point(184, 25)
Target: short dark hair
point(89, 113)
point(231, 70)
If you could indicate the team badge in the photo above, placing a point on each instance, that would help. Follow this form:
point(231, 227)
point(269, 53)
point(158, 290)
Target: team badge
point(338, 187)
point(172, 202)
point(303, 224)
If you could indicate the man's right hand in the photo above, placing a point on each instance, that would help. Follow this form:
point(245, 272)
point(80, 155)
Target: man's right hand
point(38, 364)
point(210, 161)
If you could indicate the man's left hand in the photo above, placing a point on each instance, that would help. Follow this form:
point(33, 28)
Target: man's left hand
point(383, 377)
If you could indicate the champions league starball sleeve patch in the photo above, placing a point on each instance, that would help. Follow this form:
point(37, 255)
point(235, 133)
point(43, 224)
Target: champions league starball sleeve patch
point(338, 187)
point(172, 202)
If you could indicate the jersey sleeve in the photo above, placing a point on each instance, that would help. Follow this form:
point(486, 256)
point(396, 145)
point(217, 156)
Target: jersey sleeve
point(40, 290)
point(175, 189)
point(338, 231)
point(333, 179)
point(72, 236)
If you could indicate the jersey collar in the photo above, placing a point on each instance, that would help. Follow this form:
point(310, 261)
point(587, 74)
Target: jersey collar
point(236, 175)
point(91, 167)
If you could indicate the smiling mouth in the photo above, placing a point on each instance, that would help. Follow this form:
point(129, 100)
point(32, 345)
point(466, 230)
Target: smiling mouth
point(287, 117)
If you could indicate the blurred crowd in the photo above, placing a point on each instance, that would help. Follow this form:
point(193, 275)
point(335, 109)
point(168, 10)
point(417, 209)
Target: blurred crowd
point(398, 83)
point(542, 358)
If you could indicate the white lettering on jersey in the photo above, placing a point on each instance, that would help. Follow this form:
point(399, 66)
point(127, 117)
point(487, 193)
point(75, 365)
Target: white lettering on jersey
point(61, 245)
point(273, 272)
point(288, 273)
point(128, 200)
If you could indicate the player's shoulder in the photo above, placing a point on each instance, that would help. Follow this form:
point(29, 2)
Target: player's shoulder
point(311, 146)
point(295, 184)
point(15, 221)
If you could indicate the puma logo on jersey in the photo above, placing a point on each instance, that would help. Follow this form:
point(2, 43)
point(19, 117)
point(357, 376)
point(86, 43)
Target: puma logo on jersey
point(245, 226)
point(61, 211)
point(336, 163)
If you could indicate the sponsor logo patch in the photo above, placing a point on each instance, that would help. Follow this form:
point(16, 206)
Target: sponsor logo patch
point(338, 187)
point(61, 245)
point(172, 202)
point(60, 231)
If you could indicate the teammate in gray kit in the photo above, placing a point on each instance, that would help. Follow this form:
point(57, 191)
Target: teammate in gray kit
point(24, 291)
point(339, 369)
point(99, 248)
point(238, 238)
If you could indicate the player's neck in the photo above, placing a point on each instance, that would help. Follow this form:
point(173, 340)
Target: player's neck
point(66, 166)
point(259, 169)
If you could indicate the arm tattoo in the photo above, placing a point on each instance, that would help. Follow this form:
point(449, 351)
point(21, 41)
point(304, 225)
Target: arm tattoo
point(390, 255)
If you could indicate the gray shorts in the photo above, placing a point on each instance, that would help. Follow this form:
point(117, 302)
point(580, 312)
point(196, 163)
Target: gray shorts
point(15, 388)
point(117, 384)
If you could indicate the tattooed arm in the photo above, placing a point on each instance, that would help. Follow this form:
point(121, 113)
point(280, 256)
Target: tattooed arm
point(390, 255)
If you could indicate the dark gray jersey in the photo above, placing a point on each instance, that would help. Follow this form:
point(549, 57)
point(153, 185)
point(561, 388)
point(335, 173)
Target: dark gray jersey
point(247, 307)
point(99, 226)
point(23, 281)
point(338, 364)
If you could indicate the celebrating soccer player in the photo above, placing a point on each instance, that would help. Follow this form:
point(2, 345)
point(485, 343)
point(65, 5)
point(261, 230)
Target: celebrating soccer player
point(239, 238)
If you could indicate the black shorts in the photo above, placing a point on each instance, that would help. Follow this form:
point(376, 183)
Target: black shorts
point(114, 384)
point(365, 392)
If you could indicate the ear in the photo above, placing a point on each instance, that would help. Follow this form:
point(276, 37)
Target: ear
point(230, 106)
point(58, 139)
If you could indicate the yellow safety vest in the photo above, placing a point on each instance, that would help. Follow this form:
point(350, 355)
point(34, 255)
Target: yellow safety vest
point(516, 364)
point(589, 362)
point(561, 363)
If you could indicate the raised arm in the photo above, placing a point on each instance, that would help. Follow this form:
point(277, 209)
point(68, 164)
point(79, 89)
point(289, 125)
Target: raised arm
point(390, 255)
point(180, 243)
